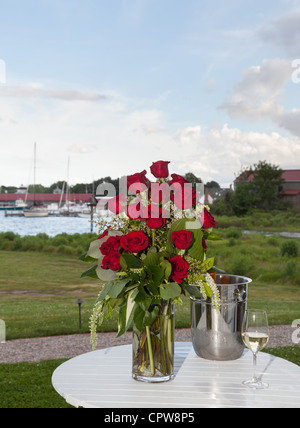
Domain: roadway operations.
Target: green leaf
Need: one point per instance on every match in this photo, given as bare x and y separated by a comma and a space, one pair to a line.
113, 288
122, 321
143, 299
117, 287
208, 264
87, 259
166, 265
130, 307
171, 290
138, 318
213, 237
131, 261
91, 272
104, 291
156, 274
94, 249
152, 259
150, 316
207, 290
196, 251
193, 290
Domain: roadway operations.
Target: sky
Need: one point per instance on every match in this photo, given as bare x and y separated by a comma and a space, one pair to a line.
106, 88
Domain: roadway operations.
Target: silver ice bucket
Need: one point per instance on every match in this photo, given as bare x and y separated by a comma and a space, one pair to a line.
216, 334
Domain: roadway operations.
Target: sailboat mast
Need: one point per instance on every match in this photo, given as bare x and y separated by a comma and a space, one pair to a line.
34, 173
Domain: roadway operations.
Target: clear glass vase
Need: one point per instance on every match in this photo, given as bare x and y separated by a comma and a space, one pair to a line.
153, 347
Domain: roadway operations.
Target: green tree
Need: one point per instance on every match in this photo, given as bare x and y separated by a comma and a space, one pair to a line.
192, 178
257, 187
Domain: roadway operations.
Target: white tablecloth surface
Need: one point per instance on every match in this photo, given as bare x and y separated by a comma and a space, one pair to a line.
102, 379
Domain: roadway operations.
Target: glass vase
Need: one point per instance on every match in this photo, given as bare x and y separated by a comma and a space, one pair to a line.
153, 347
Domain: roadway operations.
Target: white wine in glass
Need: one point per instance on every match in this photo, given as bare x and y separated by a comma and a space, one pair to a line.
255, 335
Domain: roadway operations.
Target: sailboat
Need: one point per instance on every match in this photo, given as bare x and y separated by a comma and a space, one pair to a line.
35, 210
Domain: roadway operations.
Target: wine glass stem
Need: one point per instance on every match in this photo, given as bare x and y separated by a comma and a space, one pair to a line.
254, 367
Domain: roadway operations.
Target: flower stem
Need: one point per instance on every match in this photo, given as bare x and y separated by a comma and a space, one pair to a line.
152, 366
153, 237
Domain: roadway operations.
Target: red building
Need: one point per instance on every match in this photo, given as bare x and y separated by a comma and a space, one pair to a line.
45, 198
289, 190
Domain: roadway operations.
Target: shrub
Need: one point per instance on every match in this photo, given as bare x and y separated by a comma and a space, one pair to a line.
289, 248
241, 265
233, 232
291, 269
272, 240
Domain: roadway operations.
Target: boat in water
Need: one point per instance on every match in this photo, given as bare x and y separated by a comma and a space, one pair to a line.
17, 206
36, 211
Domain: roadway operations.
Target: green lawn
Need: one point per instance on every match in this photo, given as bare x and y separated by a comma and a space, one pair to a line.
38, 289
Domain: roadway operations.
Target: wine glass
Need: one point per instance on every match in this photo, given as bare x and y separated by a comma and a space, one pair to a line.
255, 335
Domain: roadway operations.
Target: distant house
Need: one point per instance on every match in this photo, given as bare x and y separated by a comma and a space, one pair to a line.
289, 190
22, 190
57, 191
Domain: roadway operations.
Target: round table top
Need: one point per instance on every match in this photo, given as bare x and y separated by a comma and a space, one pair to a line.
102, 379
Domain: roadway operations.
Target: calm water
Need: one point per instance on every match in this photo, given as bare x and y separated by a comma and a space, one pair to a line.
50, 225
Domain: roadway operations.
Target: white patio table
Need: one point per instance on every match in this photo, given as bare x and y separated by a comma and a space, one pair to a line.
102, 379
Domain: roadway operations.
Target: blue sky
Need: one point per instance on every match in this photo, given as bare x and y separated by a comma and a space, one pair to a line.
116, 85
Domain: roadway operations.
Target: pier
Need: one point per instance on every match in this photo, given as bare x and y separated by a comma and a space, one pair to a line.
12, 213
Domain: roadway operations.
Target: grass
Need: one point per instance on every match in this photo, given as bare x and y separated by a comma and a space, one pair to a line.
28, 385
38, 289
276, 220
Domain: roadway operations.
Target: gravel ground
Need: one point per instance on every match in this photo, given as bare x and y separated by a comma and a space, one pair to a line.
47, 348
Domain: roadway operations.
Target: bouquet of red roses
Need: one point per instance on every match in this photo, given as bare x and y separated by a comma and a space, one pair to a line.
152, 249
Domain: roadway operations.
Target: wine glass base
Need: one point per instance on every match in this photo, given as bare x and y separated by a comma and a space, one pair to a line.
255, 384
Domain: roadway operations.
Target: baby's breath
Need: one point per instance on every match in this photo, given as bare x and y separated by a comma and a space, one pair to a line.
95, 319
214, 289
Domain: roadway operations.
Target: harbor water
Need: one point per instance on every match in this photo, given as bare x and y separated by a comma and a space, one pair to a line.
51, 225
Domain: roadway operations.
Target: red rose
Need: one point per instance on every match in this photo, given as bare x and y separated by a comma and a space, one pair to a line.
179, 269
137, 183
204, 245
134, 242
105, 233
207, 219
117, 204
154, 216
112, 261
182, 239
112, 244
160, 169
176, 178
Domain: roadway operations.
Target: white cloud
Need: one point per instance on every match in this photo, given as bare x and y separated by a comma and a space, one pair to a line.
117, 137
34, 91
284, 33
257, 96
220, 153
